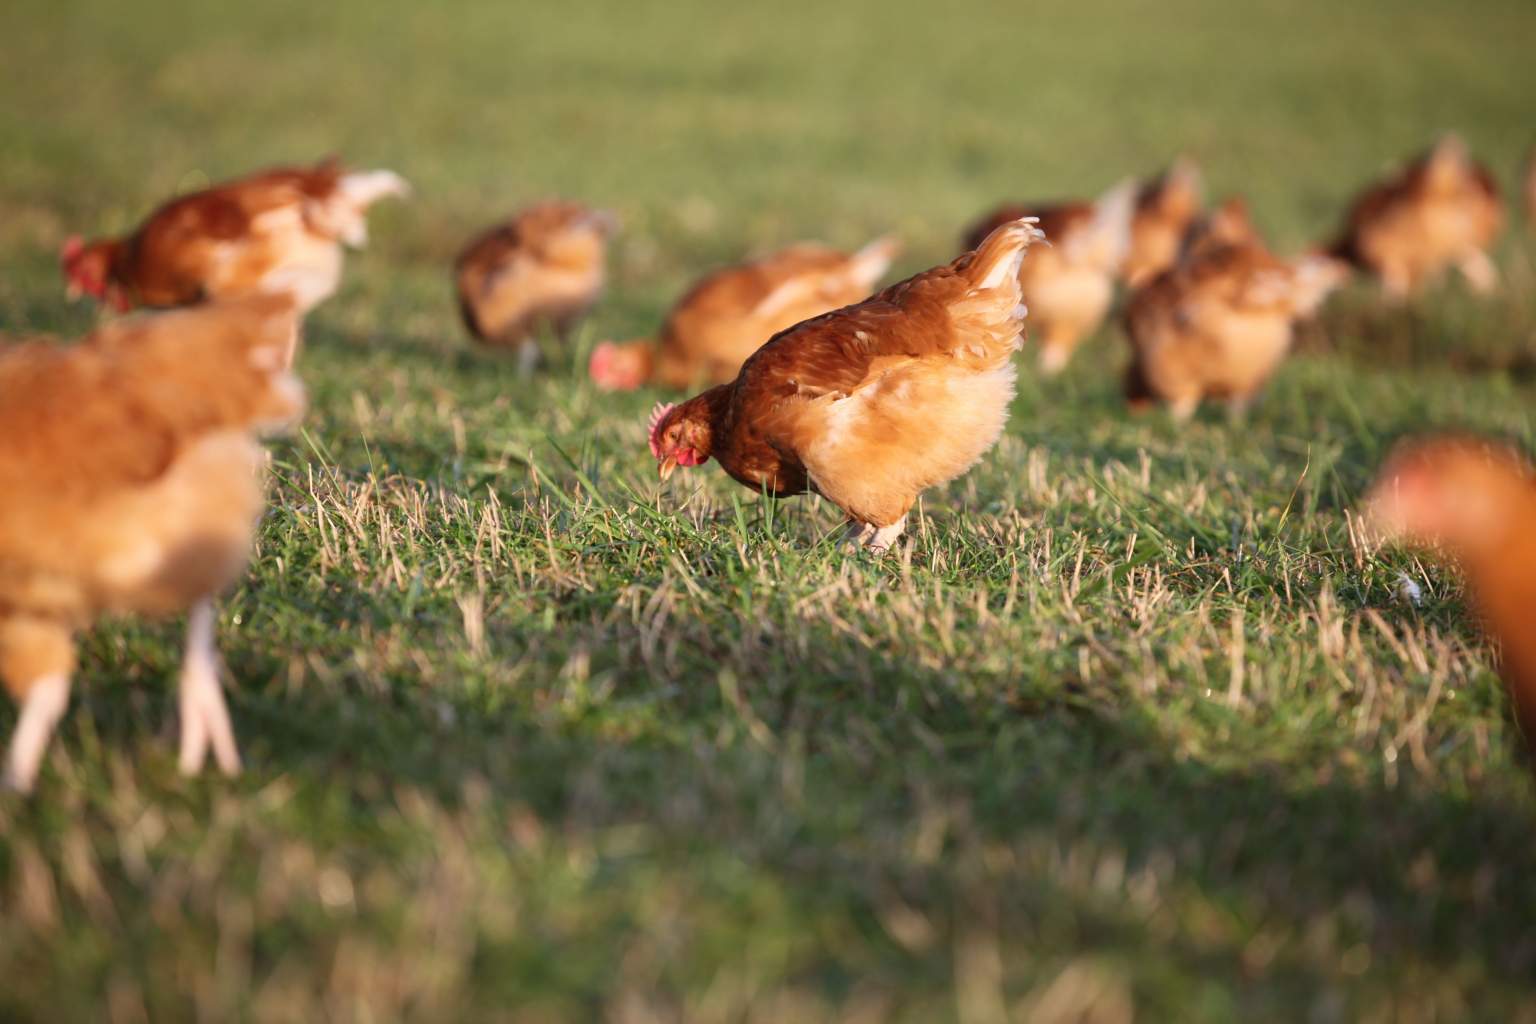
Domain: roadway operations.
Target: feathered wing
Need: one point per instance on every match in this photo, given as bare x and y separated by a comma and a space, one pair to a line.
903, 391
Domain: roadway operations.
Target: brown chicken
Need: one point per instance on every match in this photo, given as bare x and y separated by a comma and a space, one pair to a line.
1476, 501
546, 266
1442, 211
873, 403
277, 232
1165, 208
728, 315
1218, 323
1069, 284
130, 481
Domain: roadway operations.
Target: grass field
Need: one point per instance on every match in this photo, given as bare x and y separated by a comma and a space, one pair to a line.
1133, 725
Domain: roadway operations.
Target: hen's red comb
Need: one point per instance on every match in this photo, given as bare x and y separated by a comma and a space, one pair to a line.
657, 415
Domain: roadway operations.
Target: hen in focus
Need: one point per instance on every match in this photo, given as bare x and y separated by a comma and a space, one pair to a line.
871, 404
1475, 501
1069, 284
727, 315
1442, 211
279, 232
1218, 323
130, 481
546, 266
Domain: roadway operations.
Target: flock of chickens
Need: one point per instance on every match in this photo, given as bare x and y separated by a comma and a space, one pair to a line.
816, 382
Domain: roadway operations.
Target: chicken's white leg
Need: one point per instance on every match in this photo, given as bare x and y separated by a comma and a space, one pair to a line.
882, 538
1054, 358
41, 710
1183, 407
1480, 271
204, 718
856, 533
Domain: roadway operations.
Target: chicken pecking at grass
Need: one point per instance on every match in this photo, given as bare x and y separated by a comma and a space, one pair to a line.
1068, 285
279, 232
1219, 322
544, 267
1475, 501
131, 482
729, 313
871, 404
1442, 211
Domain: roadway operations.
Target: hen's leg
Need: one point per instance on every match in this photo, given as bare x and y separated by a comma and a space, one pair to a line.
1183, 407
856, 534
528, 357
881, 539
37, 657
41, 708
1480, 271
204, 718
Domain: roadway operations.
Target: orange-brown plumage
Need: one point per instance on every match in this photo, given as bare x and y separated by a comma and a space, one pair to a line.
873, 403
1068, 285
729, 313
1442, 211
1165, 208
130, 480
1475, 501
545, 266
275, 232
1218, 323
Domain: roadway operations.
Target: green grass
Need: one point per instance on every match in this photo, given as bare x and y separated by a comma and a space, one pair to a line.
1133, 724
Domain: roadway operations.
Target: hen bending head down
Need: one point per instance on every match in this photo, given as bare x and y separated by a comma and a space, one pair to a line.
871, 404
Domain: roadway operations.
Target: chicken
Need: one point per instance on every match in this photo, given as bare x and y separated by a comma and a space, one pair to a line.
1442, 211
728, 314
544, 266
1165, 208
130, 481
277, 232
873, 403
1218, 323
1476, 501
1069, 285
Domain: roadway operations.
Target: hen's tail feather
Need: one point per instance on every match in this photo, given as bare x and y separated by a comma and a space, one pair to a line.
364, 188
997, 259
870, 263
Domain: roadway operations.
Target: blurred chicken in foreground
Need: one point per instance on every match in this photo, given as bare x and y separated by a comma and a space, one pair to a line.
1476, 501
546, 266
1069, 284
1165, 208
130, 481
1442, 211
1218, 323
729, 313
279, 232
871, 404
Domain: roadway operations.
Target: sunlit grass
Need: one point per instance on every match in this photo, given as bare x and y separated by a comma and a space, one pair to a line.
1134, 721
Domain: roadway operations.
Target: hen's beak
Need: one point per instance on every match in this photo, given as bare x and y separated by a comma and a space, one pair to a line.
666, 467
